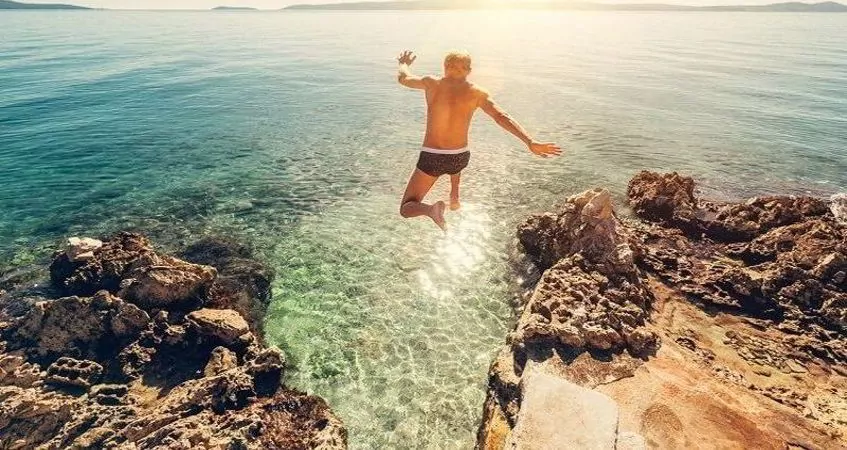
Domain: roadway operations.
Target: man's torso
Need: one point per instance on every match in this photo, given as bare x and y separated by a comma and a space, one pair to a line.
450, 108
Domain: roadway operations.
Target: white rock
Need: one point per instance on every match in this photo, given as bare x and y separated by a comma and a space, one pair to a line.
631, 441
558, 414
81, 249
838, 205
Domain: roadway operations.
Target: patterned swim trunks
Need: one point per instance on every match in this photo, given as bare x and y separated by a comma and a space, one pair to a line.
435, 162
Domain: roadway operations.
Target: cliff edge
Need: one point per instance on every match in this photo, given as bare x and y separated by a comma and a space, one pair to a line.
701, 325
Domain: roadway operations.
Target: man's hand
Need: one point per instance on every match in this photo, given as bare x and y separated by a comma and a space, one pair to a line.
544, 150
407, 58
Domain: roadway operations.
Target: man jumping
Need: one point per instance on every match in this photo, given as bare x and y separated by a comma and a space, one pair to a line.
451, 102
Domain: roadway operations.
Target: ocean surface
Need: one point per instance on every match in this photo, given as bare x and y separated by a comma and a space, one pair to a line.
289, 131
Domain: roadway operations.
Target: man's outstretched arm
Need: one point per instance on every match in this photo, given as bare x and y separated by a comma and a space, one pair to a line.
404, 75
543, 149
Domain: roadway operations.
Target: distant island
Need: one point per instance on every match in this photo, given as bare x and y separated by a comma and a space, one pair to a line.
563, 5
5, 4
234, 8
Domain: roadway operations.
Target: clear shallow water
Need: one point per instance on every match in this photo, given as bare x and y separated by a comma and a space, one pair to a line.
289, 131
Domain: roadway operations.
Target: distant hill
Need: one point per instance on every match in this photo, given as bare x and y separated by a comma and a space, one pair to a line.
234, 8
5, 4
566, 5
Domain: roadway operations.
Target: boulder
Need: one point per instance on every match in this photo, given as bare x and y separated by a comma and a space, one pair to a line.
154, 281
664, 198
81, 249
225, 326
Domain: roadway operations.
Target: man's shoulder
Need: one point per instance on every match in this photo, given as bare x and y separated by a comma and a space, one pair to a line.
478, 90
430, 79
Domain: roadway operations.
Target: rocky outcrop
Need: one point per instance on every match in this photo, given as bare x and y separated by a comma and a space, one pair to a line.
744, 302
591, 294
132, 360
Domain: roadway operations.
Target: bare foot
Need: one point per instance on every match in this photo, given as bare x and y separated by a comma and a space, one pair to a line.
454, 204
437, 215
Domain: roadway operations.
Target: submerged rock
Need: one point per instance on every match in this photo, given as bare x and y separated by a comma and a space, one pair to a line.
158, 372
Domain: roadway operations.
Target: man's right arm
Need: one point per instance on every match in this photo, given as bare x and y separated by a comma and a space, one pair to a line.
404, 74
502, 118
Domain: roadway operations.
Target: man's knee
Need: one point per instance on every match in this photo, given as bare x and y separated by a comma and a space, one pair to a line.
406, 207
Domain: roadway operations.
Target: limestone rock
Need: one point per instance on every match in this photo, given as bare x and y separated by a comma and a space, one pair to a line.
267, 368
556, 413
664, 198
80, 326
105, 270
221, 360
182, 379
630, 441
81, 249
221, 325
67, 371
154, 281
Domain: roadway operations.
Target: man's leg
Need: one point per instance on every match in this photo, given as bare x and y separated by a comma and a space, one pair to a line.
412, 205
454, 191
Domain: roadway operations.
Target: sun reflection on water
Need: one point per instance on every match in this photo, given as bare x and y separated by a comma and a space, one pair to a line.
458, 253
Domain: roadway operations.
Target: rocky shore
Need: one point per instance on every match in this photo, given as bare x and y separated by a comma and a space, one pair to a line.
697, 324
128, 348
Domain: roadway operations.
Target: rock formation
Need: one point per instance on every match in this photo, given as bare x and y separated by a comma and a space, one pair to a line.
708, 323
150, 351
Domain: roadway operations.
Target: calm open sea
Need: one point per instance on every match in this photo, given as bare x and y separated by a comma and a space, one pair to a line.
288, 130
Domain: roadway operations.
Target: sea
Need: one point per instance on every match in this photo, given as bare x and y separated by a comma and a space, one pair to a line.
288, 131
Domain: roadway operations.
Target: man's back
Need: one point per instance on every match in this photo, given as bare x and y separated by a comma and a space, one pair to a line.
450, 108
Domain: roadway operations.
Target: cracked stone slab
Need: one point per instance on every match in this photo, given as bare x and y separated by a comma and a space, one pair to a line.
556, 413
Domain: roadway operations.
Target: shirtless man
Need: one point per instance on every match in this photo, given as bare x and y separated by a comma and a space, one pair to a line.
451, 102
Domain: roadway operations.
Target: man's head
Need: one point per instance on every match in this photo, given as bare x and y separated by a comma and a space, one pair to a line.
457, 65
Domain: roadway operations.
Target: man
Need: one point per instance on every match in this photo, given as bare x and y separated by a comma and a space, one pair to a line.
451, 102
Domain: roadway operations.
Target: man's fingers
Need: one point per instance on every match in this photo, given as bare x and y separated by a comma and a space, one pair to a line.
414, 57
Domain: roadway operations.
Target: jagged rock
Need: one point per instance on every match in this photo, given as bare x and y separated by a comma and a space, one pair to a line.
109, 394
16, 371
221, 325
585, 225
221, 360
664, 198
154, 281
167, 382
105, 270
84, 327
775, 263
590, 290
669, 200
267, 368
73, 372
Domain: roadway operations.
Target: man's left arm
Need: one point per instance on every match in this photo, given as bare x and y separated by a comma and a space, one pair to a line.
502, 118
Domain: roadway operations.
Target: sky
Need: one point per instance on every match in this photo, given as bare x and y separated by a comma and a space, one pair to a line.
277, 4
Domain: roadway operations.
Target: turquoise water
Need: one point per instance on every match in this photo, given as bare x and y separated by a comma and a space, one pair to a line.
288, 130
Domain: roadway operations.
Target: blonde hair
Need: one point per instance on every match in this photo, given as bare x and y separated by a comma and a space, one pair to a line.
458, 58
